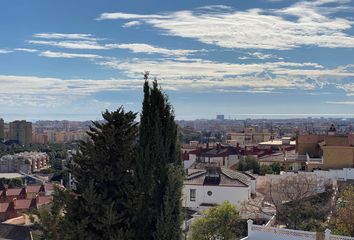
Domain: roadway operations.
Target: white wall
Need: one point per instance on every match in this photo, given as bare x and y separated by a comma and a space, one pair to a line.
235, 195
192, 158
340, 174
233, 159
258, 232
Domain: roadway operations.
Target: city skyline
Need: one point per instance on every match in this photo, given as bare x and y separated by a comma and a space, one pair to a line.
265, 58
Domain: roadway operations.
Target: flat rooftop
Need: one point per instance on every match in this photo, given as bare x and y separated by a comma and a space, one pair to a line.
11, 175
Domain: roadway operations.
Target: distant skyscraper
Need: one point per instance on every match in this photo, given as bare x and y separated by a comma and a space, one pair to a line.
220, 117
21, 131
2, 136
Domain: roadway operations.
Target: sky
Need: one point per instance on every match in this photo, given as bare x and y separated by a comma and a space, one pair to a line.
245, 59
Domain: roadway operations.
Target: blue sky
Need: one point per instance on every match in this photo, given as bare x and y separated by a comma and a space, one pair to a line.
73, 59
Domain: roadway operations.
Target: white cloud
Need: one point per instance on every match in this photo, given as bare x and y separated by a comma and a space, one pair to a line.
105, 16
342, 102
132, 24
33, 85
52, 54
30, 50
253, 28
5, 51
200, 74
259, 55
94, 45
347, 87
70, 44
76, 36
55, 91
146, 48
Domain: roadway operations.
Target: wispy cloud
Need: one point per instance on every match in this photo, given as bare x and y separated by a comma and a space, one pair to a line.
97, 45
52, 54
146, 48
132, 24
5, 51
253, 28
119, 15
55, 91
30, 50
342, 102
200, 74
93, 45
77, 36
259, 55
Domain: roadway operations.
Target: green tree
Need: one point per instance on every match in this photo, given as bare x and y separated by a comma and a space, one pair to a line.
265, 169
220, 222
159, 169
103, 207
343, 220
249, 163
51, 220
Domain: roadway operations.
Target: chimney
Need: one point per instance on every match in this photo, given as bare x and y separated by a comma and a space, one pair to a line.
24, 192
4, 192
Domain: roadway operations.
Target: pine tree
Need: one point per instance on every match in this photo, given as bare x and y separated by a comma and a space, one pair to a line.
104, 204
159, 169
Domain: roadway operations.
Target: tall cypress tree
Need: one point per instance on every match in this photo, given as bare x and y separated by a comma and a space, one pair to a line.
159, 169
104, 204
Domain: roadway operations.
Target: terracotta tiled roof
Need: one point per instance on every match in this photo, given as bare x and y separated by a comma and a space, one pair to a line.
33, 188
23, 204
4, 207
44, 200
13, 191
49, 187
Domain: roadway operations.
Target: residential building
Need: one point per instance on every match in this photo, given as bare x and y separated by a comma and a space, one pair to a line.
21, 131
219, 155
331, 151
2, 129
51, 136
15, 232
26, 162
248, 137
16, 201
214, 185
220, 117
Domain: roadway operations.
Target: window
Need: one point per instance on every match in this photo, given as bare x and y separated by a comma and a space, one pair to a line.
210, 193
192, 195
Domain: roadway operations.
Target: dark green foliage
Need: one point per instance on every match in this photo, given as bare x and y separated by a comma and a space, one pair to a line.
129, 184
51, 226
249, 163
273, 168
10, 183
103, 208
159, 169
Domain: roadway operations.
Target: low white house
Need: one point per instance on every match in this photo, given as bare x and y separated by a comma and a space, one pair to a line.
214, 185
222, 156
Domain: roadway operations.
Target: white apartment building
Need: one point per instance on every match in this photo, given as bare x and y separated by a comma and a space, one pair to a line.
26, 162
